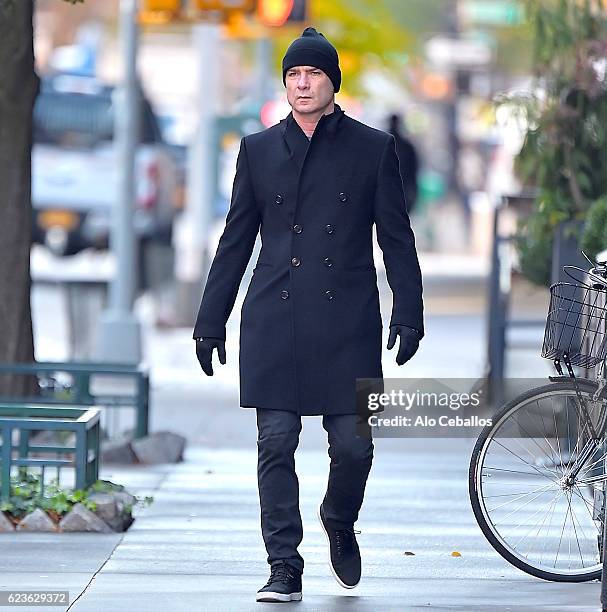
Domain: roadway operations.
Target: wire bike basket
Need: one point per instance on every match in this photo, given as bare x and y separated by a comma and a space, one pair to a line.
575, 325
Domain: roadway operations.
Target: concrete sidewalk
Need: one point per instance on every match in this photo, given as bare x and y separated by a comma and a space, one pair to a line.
199, 547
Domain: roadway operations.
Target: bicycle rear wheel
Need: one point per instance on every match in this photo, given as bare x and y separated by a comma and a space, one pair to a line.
519, 489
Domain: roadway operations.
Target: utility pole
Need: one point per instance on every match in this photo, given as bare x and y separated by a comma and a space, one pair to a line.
192, 235
453, 29
263, 49
119, 337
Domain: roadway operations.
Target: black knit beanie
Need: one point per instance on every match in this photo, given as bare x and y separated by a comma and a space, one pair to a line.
313, 49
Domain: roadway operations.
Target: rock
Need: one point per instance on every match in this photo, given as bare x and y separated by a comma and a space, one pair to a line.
122, 522
111, 509
117, 451
123, 499
5, 523
107, 508
80, 518
38, 520
125, 502
159, 447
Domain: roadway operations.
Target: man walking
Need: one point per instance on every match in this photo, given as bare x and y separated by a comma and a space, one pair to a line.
313, 185
407, 156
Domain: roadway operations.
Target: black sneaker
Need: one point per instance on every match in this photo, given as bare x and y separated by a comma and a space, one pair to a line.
284, 584
344, 555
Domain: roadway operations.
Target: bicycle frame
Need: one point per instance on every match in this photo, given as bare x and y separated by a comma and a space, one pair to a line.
597, 434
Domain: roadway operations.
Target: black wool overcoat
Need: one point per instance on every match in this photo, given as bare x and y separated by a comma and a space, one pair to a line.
310, 321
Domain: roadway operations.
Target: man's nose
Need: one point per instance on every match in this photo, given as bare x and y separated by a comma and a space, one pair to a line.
303, 81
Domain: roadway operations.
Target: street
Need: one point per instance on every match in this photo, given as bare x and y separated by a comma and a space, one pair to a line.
199, 545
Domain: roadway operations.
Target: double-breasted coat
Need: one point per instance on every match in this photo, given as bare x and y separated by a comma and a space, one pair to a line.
310, 320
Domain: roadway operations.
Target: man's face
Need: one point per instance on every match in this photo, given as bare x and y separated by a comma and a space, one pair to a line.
309, 89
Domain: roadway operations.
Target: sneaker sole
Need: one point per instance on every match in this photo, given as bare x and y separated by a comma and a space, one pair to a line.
272, 597
339, 581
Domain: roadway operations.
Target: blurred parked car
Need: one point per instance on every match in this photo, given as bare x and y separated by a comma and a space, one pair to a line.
75, 171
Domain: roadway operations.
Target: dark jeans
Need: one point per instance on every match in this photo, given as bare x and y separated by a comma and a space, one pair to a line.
351, 457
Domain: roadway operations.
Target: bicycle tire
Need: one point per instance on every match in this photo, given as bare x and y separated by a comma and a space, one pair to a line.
586, 386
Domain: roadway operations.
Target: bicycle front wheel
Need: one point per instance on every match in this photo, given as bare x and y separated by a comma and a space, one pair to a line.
527, 505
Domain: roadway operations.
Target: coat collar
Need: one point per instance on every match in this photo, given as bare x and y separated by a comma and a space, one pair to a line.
329, 123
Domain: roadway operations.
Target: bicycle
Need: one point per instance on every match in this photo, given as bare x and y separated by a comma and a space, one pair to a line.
537, 474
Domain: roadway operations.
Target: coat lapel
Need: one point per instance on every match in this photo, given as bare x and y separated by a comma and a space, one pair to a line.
298, 147
295, 139
294, 136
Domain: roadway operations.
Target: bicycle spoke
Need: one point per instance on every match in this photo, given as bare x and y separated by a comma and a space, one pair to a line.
576, 536
589, 467
580, 526
496, 469
544, 521
542, 490
561, 539
556, 497
587, 505
534, 441
533, 527
520, 508
517, 493
521, 459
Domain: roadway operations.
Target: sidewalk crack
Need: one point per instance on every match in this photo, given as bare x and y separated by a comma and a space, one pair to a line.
88, 584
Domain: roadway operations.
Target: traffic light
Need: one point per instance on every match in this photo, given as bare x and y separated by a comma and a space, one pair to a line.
160, 11
276, 13
299, 12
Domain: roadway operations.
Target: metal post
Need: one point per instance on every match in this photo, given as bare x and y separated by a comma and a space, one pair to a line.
453, 28
192, 229
7, 447
119, 332
143, 405
496, 319
263, 50
81, 455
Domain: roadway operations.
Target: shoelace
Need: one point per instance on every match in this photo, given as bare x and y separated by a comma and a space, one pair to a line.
344, 540
281, 572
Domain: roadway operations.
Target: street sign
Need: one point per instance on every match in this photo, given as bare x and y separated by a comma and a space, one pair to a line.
492, 12
160, 11
170, 6
167, 11
456, 52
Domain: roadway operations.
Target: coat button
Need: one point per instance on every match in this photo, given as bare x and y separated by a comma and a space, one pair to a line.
343, 197
297, 228
329, 294
295, 261
278, 199
284, 294
328, 262
329, 229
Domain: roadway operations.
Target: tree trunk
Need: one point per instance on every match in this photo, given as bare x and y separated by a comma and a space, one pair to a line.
18, 90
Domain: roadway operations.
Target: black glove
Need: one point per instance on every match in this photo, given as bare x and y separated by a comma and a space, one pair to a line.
204, 352
409, 342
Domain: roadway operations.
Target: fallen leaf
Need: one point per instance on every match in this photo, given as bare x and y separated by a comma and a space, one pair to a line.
456, 554
408, 553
